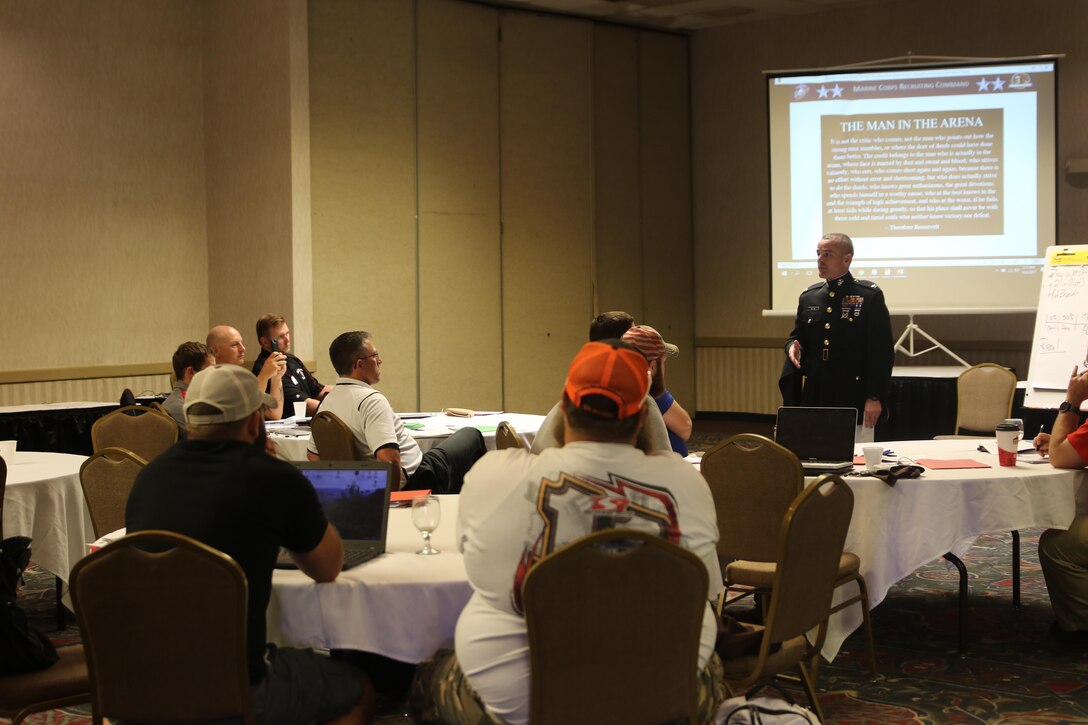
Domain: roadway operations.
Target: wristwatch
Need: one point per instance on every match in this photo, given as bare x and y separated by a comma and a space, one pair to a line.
1067, 407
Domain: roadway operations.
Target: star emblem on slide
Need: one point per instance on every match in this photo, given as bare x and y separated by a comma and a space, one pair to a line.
998, 84
821, 92
983, 85
836, 92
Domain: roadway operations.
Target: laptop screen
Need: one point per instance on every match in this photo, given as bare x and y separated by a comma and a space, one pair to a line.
817, 434
353, 494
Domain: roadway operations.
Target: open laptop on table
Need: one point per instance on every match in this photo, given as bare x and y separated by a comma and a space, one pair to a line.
823, 438
355, 498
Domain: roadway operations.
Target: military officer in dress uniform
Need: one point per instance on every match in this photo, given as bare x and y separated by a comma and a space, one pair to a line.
842, 338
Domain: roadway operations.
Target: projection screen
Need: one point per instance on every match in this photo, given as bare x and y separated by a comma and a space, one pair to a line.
943, 175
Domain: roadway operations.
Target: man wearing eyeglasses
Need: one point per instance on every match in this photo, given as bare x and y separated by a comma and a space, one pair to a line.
379, 432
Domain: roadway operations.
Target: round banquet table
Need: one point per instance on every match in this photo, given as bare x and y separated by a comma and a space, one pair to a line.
401, 605
291, 442
43, 500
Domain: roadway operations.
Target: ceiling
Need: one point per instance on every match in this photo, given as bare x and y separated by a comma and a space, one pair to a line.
684, 14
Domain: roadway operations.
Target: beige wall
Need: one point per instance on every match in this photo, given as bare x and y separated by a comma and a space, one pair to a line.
103, 257
155, 178
257, 156
730, 158
474, 201
477, 200
391, 165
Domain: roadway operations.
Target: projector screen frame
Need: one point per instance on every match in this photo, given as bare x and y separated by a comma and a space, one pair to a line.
1046, 172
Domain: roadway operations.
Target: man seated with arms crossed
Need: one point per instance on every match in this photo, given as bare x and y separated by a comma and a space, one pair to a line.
220, 488
189, 359
226, 344
517, 508
1063, 555
299, 384
379, 432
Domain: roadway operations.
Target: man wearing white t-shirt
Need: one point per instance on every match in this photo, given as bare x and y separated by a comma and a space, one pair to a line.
379, 432
517, 507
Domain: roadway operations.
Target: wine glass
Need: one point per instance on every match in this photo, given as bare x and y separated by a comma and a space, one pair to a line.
426, 513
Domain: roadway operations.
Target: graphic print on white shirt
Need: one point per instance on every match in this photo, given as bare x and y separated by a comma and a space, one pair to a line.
565, 506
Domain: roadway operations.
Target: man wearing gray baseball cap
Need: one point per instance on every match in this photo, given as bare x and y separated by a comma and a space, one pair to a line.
221, 488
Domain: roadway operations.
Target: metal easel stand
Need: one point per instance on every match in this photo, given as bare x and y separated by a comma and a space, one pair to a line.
908, 335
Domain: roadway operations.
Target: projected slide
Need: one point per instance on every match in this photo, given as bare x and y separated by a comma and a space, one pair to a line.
943, 177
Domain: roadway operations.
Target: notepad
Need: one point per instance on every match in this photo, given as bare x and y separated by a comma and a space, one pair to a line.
948, 464
401, 496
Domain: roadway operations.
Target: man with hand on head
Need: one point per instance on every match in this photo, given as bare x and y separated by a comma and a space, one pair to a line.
299, 384
517, 508
653, 347
842, 339
1063, 555
379, 432
226, 344
220, 488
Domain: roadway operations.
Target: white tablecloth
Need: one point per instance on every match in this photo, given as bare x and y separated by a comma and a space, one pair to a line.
896, 530
53, 406
400, 605
436, 428
44, 501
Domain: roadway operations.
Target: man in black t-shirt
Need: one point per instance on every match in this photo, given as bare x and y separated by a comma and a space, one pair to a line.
221, 488
299, 384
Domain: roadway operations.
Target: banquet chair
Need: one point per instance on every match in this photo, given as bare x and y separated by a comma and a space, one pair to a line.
507, 437
753, 481
811, 537
107, 478
137, 428
333, 439
65, 682
624, 581
335, 442
159, 649
984, 397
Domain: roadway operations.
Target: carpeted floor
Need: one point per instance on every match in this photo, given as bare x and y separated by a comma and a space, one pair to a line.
1013, 671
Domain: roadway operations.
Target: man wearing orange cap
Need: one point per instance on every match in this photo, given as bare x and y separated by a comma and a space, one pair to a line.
517, 507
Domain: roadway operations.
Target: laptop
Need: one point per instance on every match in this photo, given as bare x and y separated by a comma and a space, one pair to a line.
823, 438
355, 498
